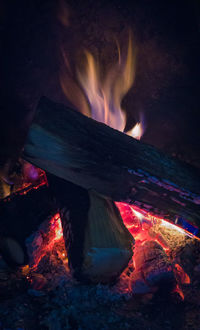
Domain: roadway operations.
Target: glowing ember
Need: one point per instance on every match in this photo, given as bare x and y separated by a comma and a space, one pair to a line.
130, 218
138, 226
183, 278
53, 237
131, 212
140, 223
33, 178
56, 227
179, 291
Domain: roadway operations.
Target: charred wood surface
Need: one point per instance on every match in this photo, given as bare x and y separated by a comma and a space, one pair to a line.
95, 156
73, 203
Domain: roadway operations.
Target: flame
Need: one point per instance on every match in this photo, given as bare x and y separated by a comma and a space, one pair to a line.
55, 235
103, 95
137, 131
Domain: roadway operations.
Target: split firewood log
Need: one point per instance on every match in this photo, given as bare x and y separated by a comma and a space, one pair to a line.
98, 244
95, 156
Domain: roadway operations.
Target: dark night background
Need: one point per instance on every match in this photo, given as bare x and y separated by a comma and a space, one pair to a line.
166, 89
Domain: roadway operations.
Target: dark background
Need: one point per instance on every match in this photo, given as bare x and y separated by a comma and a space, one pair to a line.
166, 89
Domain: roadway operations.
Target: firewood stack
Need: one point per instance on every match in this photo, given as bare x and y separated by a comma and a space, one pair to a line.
96, 157
89, 166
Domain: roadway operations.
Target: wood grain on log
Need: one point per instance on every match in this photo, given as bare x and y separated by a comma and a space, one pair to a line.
95, 156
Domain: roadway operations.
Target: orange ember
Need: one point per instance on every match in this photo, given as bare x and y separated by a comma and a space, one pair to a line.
56, 227
54, 236
139, 223
182, 278
179, 291
181, 275
138, 226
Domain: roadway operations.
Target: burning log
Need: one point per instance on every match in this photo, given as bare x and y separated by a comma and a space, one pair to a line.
97, 157
153, 269
21, 214
98, 244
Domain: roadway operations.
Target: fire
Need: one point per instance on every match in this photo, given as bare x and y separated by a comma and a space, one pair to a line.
104, 94
56, 226
183, 278
140, 224
137, 131
53, 236
139, 227
131, 212
179, 291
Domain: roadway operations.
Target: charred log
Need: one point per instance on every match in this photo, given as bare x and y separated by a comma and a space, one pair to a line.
20, 216
98, 244
153, 270
95, 156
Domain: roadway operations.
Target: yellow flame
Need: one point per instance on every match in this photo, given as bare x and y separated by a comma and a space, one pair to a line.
137, 131
104, 96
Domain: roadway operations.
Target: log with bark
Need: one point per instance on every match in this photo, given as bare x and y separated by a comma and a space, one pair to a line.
96, 157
